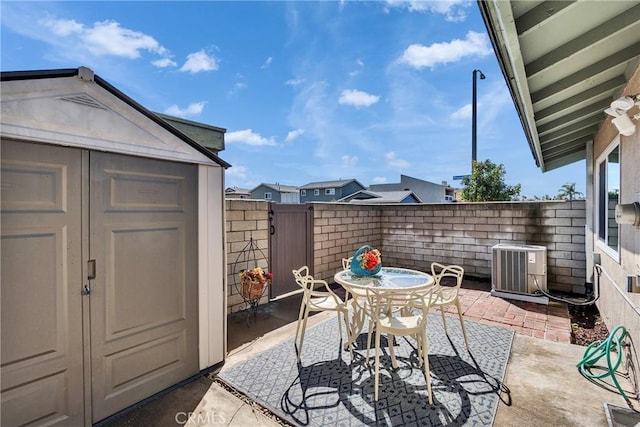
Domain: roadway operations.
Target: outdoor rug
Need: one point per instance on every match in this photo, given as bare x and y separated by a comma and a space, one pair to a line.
327, 388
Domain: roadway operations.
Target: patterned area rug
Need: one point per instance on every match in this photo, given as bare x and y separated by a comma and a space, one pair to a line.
327, 388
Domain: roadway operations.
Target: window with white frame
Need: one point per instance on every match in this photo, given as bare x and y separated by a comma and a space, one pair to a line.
608, 176
316, 192
329, 191
303, 193
267, 195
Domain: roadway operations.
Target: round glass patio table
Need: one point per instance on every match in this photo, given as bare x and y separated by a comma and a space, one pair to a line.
394, 279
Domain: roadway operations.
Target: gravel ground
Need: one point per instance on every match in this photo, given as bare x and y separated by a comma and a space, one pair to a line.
586, 325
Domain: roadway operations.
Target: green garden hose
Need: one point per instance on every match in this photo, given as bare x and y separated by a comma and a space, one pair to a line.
597, 350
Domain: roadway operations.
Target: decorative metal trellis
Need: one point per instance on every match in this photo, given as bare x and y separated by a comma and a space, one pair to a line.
250, 257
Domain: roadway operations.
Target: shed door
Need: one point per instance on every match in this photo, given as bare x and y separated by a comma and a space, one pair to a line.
41, 321
143, 234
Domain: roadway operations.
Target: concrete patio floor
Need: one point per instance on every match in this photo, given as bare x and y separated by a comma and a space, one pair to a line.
545, 387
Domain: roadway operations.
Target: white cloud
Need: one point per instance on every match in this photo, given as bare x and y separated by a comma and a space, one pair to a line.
237, 171
194, 109
379, 180
293, 135
248, 137
63, 27
267, 62
163, 63
357, 98
420, 56
294, 82
453, 10
463, 112
105, 38
358, 71
200, 61
396, 163
349, 161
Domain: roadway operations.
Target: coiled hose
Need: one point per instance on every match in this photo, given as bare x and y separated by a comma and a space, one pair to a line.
597, 350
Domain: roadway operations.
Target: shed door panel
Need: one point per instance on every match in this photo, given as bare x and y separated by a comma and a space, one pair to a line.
143, 236
41, 306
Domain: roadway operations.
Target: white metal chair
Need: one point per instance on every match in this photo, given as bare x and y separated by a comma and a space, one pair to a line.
448, 295
346, 263
317, 300
381, 306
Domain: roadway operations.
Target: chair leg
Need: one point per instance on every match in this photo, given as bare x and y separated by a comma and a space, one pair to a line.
444, 322
304, 329
394, 362
377, 365
464, 331
346, 325
369, 341
425, 358
300, 314
339, 325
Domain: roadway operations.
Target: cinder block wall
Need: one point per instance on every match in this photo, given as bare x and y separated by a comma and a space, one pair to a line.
413, 236
338, 231
246, 219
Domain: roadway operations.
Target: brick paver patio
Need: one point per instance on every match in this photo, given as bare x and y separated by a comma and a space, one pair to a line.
551, 322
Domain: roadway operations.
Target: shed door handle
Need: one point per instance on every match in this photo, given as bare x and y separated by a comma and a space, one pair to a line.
91, 269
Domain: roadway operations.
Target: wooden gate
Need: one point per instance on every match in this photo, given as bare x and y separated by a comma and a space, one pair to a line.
290, 244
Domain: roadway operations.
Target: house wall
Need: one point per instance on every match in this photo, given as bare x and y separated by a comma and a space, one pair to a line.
428, 192
258, 194
616, 305
245, 219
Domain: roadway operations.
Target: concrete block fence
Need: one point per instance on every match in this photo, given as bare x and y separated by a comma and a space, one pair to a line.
245, 219
413, 236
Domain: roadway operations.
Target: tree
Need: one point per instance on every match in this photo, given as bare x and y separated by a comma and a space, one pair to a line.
486, 184
568, 192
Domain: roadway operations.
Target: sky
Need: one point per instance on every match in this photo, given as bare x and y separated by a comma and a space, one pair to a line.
307, 91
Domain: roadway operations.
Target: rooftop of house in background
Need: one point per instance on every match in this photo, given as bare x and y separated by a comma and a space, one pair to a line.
330, 184
277, 187
237, 193
368, 196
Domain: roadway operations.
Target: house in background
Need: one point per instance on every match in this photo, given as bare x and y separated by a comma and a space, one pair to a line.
276, 193
237, 193
368, 196
427, 192
113, 257
329, 191
566, 90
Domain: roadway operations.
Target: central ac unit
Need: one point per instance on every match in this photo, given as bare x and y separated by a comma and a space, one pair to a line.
519, 271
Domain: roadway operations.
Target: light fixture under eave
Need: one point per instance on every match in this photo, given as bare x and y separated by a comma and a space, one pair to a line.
618, 110
624, 125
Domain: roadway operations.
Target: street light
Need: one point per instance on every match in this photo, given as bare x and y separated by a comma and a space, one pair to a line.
473, 118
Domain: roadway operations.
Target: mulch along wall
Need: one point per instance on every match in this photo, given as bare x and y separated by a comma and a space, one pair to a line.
413, 236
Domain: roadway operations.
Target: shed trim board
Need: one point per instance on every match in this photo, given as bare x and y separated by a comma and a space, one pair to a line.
75, 108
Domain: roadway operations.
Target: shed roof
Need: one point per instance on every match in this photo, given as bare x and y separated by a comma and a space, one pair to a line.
87, 75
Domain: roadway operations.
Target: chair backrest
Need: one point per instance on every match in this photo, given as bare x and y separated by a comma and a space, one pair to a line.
302, 276
346, 263
382, 302
440, 271
301, 272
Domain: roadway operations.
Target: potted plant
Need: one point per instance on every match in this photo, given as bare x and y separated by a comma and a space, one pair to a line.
253, 282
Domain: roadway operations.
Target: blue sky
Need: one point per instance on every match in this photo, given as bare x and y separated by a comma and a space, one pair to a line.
308, 91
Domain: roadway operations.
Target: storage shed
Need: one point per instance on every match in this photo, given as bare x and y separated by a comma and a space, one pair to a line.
113, 260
